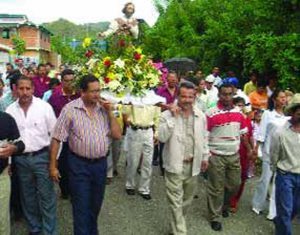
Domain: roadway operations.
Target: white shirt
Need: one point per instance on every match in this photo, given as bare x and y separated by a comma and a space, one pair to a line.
114, 26
212, 95
36, 127
218, 81
270, 122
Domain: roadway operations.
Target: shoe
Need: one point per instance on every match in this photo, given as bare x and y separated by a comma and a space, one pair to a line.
130, 191
115, 173
225, 214
155, 163
138, 170
256, 211
146, 196
215, 225
270, 218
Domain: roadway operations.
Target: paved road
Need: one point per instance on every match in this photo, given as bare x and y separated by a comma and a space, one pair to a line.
132, 215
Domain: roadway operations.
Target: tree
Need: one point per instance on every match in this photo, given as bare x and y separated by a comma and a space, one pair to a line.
239, 35
19, 45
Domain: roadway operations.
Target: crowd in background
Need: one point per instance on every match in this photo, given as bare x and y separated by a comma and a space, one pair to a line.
208, 124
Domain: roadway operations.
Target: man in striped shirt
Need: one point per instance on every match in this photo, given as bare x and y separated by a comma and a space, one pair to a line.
226, 126
88, 124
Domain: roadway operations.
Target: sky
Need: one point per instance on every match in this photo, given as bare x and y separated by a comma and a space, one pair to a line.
77, 11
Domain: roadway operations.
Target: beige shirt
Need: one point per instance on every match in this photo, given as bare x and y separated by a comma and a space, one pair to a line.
170, 132
143, 116
188, 137
285, 149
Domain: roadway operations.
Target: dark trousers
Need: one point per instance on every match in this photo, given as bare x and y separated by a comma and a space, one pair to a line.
157, 154
287, 199
15, 200
87, 187
63, 170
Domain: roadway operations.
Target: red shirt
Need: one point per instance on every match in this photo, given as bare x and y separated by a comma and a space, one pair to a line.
59, 99
41, 85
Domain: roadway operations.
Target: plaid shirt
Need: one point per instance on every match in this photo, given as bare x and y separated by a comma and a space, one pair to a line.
88, 136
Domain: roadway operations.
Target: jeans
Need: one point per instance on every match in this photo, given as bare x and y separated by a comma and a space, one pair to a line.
87, 187
38, 198
287, 201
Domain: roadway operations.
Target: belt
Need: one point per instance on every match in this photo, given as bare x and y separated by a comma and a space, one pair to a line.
90, 160
188, 160
32, 154
135, 128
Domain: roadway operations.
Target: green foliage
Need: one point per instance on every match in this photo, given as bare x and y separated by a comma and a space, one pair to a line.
239, 35
69, 30
19, 45
65, 32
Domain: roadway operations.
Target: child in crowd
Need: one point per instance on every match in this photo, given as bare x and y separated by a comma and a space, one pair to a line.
255, 127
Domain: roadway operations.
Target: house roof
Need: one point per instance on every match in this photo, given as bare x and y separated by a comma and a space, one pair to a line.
16, 21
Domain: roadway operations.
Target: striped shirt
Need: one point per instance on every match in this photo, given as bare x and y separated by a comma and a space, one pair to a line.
88, 136
225, 128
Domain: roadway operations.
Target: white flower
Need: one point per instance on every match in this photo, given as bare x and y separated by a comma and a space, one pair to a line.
91, 63
119, 63
113, 85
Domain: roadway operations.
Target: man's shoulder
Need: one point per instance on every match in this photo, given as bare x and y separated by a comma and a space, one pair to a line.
73, 104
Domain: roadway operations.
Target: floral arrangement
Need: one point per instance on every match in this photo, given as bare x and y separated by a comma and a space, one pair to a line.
123, 69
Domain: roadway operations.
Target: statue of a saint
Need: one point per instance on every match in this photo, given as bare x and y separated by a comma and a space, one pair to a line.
127, 24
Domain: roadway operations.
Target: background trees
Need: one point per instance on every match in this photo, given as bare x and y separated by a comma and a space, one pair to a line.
239, 35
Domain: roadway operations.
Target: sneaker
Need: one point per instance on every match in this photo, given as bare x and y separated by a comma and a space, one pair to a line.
130, 192
256, 211
270, 218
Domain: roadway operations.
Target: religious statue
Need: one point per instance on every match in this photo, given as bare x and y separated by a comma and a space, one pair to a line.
127, 24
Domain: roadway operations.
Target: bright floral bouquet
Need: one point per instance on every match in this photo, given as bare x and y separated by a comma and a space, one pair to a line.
124, 69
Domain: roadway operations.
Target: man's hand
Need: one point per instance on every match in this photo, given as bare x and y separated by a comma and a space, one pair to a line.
7, 150
54, 174
204, 166
108, 106
175, 110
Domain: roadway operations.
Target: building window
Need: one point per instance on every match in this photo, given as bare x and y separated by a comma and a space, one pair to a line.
5, 33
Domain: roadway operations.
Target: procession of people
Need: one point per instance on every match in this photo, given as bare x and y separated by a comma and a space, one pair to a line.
53, 132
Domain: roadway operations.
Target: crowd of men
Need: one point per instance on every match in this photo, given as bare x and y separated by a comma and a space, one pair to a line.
50, 131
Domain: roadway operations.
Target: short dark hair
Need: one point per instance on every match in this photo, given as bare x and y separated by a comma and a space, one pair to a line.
67, 72
172, 72
187, 85
53, 82
48, 63
261, 82
9, 64
41, 65
24, 78
86, 79
13, 77
225, 85
238, 99
126, 5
